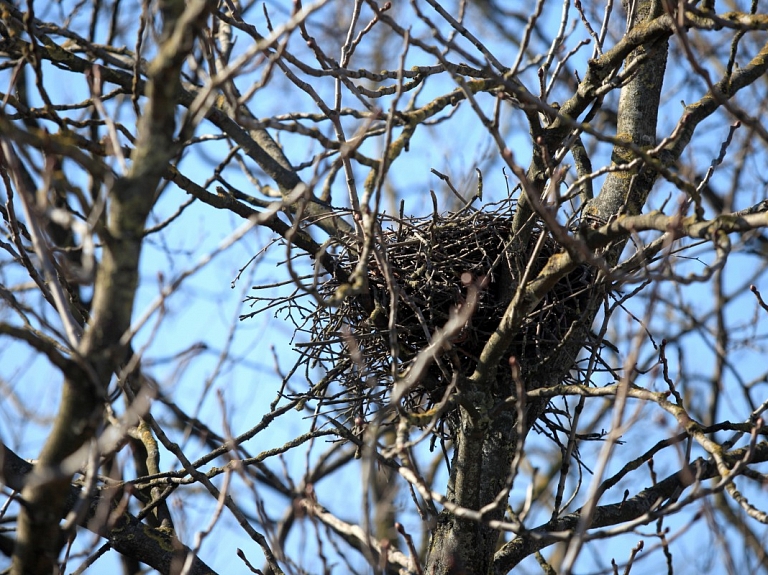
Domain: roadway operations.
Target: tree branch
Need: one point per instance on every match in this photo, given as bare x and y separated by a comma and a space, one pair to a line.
648, 503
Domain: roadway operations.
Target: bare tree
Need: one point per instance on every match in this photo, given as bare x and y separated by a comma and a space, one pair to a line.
504, 266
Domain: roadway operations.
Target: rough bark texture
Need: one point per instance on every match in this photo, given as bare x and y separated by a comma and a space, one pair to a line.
479, 469
395, 362
485, 443
101, 348
156, 547
625, 192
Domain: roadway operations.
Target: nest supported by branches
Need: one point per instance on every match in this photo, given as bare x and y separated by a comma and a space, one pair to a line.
431, 263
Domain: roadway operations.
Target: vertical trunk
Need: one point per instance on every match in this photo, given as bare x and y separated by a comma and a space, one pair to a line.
626, 191
480, 467
101, 349
486, 444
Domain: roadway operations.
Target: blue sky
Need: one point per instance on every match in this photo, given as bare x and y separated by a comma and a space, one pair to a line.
204, 310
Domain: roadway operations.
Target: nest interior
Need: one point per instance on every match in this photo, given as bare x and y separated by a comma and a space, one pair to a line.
428, 260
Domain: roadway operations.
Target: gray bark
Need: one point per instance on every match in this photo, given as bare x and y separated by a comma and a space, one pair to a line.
486, 443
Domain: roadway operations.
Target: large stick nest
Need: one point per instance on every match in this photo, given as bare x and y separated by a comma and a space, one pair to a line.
431, 263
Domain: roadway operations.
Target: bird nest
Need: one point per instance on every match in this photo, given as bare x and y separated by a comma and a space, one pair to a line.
419, 275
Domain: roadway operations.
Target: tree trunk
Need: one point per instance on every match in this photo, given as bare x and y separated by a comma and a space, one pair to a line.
485, 440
